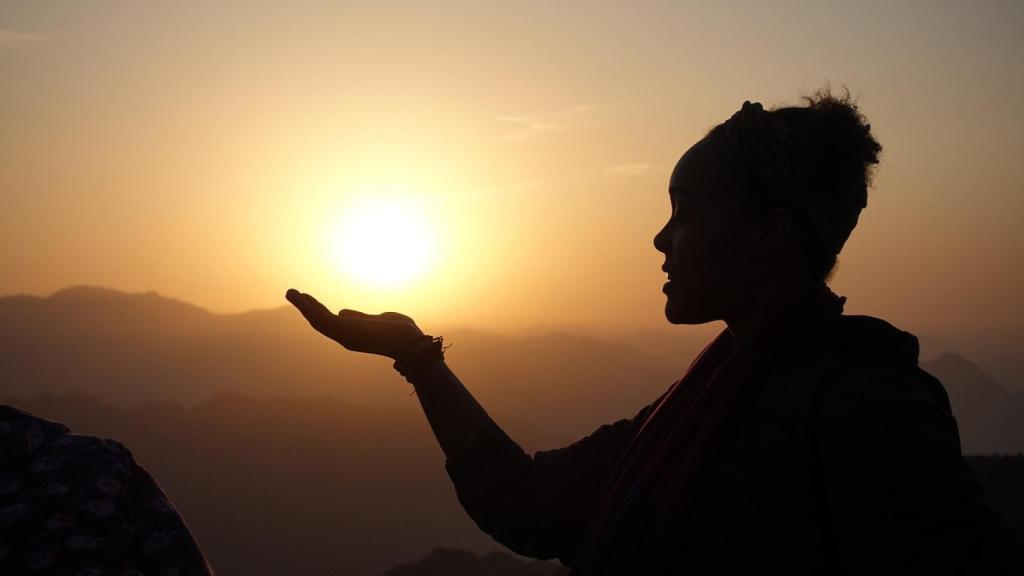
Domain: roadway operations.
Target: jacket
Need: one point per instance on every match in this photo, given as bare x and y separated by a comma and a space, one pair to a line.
847, 461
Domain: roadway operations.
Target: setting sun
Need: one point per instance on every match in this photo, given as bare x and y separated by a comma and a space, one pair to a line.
376, 288
383, 242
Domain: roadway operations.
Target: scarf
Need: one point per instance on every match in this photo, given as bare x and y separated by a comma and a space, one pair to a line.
640, 522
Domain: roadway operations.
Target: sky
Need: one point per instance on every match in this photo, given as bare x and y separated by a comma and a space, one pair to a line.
217, 152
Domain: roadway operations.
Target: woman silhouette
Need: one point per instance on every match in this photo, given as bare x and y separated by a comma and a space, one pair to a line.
800, 441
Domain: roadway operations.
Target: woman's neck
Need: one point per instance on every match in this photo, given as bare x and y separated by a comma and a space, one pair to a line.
761, 308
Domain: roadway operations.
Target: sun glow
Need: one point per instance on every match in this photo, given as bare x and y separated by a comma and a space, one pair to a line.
384, 242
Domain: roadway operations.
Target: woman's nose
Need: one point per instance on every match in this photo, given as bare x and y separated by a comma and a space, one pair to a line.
659, 240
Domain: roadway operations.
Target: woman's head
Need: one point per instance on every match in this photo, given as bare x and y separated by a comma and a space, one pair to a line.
765, 201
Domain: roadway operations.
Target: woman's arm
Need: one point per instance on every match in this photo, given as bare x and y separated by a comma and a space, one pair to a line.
541, 506
459, 422
538, 506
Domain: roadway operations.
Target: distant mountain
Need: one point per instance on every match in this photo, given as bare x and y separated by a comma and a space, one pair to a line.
287, 454
990, 418
449, 562
315, 486
1000, 349
307, 486
128, 349
555, 386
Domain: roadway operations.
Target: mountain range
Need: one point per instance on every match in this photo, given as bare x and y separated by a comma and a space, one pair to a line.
288, 454
130, 349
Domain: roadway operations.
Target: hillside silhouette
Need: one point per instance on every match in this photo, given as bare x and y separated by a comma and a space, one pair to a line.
990, 418
287, 455
128, 349
316, 486
289, 485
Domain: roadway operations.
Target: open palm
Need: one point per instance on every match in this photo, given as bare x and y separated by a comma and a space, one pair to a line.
387, 334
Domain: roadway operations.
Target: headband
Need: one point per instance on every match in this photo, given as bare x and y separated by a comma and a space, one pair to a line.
767, 149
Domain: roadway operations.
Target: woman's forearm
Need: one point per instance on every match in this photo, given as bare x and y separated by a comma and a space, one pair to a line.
459, 422
536, 505
495, 480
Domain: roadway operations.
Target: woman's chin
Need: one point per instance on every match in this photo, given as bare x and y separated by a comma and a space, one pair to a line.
674, 314
678, 314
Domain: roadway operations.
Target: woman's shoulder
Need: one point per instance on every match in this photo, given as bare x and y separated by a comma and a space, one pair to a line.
854, 341
856, 367
876, 389
900, 412
848, 350
875, 365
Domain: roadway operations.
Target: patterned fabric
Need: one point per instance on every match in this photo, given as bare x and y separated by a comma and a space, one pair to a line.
81, 506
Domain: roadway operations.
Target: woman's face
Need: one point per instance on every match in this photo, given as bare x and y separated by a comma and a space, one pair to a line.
706, 243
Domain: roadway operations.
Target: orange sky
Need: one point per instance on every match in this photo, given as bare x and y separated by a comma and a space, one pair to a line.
210, 150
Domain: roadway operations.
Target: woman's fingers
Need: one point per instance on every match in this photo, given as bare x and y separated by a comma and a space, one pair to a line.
384, 334
305, 302
318, 308
395, 316
315, 313
347, 327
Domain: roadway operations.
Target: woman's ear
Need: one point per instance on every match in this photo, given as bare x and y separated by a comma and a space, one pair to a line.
772, 230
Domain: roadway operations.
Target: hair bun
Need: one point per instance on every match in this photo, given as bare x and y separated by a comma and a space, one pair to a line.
839, 138
817, 157
835, 158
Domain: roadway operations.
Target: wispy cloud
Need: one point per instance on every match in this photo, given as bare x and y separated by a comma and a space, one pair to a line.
527, 126
632, 169
13, 38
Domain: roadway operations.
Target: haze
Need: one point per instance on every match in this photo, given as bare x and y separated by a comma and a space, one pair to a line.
208, 150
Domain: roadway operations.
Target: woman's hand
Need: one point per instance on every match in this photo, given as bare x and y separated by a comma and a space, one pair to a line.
387, 334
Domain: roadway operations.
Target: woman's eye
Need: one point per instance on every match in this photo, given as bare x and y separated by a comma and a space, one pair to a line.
677, 212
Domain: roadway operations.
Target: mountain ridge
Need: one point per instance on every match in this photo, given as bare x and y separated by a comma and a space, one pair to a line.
130, 349
308, 485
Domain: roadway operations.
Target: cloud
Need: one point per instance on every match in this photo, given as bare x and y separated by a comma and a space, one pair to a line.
529, 126
13, 38
632, 169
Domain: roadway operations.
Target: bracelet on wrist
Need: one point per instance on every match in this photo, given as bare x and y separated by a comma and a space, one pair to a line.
421, 352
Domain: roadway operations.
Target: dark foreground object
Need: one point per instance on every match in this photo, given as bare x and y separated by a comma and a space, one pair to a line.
74, 504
